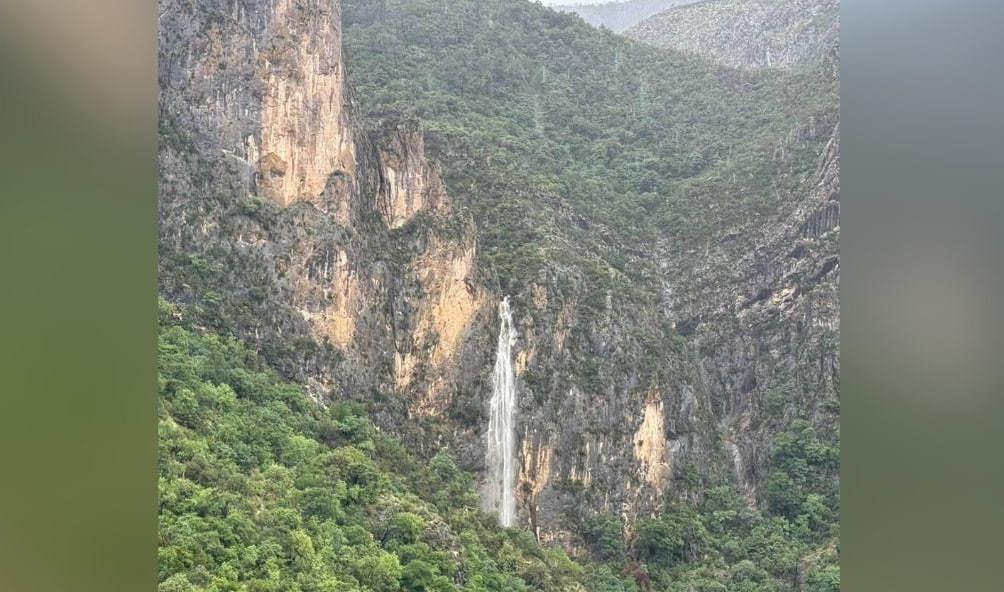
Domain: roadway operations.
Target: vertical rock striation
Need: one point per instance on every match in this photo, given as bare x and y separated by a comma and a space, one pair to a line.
409, 183
282, 214
305, 133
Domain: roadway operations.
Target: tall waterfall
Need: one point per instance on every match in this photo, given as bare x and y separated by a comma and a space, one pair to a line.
500, 459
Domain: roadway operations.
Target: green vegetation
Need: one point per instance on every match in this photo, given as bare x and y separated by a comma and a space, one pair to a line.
721, 543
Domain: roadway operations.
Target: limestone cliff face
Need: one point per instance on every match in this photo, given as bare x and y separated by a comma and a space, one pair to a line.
262, 83
426, 359
650, 448
341, 300
305, 133
284, 216
409, 183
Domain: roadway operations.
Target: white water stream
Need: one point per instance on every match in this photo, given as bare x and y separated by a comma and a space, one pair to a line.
501, 453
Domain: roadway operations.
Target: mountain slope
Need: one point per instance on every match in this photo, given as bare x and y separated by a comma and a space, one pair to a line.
642, 221
786, 34
618, 16
666, 230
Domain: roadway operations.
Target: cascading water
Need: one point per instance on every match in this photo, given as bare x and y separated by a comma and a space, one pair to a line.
500, 458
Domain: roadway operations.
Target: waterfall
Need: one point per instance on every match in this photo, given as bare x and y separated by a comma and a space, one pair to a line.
500, 456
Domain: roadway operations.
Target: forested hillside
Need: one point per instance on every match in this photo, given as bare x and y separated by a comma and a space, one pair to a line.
351, 190
263, 489
785, 34
599, 128
618, 15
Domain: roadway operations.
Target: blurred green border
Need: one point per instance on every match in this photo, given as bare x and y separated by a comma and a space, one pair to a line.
78, 262
922, 488
922, 293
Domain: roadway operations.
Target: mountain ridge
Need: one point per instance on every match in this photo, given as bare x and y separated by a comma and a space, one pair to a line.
751, 34
622, 15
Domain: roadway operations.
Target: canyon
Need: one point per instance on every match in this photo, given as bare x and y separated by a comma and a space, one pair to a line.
372, 259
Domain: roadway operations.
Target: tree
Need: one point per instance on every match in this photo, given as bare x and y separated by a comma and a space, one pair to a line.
784, 497
381, 572
823, 579
605, 536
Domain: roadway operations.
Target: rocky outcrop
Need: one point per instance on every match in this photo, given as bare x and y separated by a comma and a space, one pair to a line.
305, 133
651, 446
450, 301
263, 84
341, 292
409, 183
785, 34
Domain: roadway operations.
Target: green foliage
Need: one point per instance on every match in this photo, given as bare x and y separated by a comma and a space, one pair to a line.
725, 544
783, 495
605, 536
824, 579
802, 485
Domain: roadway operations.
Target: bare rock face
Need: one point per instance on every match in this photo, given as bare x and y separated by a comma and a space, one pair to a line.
264, 84
340, 301
426, 361
305, 132
289, 214
409, 183
651, 448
